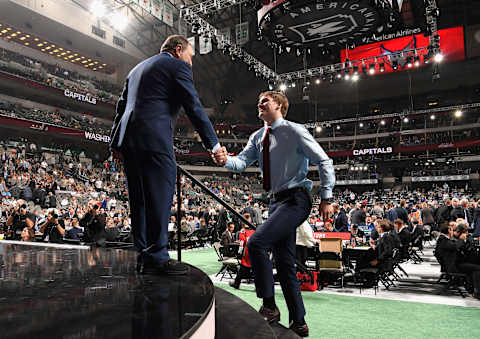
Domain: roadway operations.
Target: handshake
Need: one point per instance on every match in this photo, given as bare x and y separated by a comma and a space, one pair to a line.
220, 157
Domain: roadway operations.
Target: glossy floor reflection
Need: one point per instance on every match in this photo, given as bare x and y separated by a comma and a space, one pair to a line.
76, 293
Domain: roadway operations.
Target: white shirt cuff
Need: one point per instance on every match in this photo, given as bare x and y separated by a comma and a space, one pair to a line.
215, 148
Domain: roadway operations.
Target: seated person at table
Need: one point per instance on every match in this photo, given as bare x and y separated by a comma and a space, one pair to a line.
404, 236
452, 254
304, 241
328, 227
227, 235
74, 232
381, 251
375, 234
357, 234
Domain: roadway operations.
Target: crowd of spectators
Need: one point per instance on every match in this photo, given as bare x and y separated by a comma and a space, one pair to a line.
58, 77
84, 122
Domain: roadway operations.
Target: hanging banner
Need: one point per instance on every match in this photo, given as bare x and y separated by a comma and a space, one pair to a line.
224, 34
145, 4
157, 9
241, 33
451, 45
168, 13
182, 28
191, 41
205, 44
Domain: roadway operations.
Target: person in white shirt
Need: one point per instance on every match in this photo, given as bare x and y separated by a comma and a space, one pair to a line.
304, 241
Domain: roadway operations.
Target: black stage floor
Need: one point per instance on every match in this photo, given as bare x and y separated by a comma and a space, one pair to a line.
48, 292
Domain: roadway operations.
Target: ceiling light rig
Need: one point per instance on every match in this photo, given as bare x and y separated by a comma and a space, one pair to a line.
192, 15
200, 26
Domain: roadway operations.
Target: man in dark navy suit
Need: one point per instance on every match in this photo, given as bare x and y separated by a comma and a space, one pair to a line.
143, 133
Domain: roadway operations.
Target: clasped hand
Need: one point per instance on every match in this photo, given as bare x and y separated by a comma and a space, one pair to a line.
220, 157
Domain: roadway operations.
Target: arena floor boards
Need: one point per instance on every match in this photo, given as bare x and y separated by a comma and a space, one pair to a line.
333, 315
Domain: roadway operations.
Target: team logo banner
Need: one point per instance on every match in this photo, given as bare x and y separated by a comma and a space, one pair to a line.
318, 24
451, 44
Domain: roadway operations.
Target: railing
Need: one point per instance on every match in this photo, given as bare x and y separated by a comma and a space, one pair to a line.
205, 189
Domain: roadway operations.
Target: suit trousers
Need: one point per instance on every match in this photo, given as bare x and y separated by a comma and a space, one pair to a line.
278, 233
151, 180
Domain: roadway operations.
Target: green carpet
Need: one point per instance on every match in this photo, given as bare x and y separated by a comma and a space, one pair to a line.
332, 316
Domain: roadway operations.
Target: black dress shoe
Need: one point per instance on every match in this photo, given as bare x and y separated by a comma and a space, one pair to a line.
300, 330
269, 315
234, 285
171, 267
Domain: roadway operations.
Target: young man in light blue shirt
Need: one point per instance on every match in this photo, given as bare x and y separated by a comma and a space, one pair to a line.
289, 148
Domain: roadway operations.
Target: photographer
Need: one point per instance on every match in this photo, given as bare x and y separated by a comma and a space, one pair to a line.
94, 226
19, 219
53, 230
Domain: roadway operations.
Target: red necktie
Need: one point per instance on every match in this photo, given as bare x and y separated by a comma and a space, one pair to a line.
266, 161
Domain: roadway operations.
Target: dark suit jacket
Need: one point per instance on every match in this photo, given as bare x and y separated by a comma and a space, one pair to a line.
358, 217
341, 221
227, 238
391, 215
151, 99
476, 221
442, 214
402, 214
447, 251
405, 239
459, 212
427, 216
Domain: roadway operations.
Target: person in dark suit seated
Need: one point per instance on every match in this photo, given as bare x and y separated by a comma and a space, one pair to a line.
404, 236
142, 132
416, 234
227, 235
340, 220
328, 227
451, 253
74, 232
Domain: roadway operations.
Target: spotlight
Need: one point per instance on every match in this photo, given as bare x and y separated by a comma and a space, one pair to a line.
432, 117
405, 120
371, 69
458, 113
293, 85
338, 127
283, 87
365, 168
339, 74
381, 67
409, 62
438, 57
416, 61
361, 125
98, 9
347, 76
318, 129
382, 122
317, 81
119, 21
395, 65
355, 78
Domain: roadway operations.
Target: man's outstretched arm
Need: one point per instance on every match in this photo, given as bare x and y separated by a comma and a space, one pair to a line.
247, 157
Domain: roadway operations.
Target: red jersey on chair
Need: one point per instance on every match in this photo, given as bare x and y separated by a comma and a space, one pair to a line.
243, 238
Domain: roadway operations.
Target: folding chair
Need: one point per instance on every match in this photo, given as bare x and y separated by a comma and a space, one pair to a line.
229, 265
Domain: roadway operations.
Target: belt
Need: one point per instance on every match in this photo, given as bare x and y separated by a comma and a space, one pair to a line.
286, 193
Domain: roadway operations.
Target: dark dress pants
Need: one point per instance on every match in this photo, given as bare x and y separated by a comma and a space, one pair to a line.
151, 183
278, 233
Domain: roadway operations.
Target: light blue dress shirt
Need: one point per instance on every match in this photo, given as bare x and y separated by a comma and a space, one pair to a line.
292, 148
